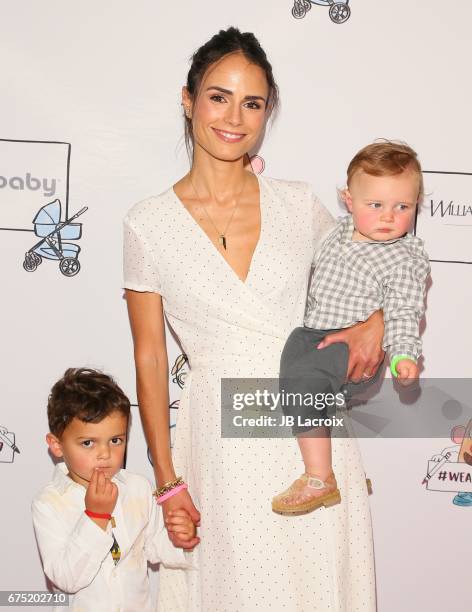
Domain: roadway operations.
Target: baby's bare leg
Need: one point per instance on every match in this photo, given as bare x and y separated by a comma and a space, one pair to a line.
315, 447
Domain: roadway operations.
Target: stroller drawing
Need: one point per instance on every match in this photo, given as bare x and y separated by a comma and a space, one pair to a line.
52, 231
339, 12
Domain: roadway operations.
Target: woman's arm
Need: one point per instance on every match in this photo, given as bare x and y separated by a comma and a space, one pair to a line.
152, 375
152, 372
365, 346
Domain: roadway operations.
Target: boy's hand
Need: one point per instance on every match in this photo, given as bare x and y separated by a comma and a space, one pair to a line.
407, 371
101, 494
182, 501
179, 522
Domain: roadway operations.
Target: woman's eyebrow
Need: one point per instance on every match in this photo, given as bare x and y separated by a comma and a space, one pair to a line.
230, 93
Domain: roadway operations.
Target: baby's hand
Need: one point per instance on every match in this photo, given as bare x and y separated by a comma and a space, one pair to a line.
179, 521
407, 371
101, 494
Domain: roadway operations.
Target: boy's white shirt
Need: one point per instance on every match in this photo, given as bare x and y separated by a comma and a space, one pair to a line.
76, 552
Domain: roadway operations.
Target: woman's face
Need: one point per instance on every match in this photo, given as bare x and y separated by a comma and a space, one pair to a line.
229, 112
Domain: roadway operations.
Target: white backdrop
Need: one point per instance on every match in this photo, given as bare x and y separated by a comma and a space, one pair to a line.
105, 77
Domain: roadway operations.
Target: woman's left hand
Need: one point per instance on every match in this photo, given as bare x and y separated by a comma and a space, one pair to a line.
365, 346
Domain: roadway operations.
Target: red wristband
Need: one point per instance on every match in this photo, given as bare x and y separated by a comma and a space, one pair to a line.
97, 515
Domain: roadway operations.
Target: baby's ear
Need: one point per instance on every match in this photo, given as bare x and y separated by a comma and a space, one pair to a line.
345, 196
54, 444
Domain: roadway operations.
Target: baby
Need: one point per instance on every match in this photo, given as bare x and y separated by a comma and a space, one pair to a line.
368, 262
97, 525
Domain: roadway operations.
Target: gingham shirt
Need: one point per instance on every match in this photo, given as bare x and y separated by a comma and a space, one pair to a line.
352, 279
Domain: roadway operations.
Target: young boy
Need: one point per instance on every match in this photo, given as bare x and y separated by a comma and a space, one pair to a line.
98, 525
368, 262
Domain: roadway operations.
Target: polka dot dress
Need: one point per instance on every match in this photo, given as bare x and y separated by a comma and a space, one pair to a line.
249, 558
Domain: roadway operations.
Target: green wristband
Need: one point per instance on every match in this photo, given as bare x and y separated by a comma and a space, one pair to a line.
395, 360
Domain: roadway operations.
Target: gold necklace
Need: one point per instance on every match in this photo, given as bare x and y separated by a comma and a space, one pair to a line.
221, 235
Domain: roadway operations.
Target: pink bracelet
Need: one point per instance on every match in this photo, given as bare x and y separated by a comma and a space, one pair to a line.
173, 491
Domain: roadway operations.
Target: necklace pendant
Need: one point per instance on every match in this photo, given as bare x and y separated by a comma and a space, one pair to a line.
223, 241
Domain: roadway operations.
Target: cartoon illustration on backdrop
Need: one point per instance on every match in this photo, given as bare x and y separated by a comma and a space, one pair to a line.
31, 172
451, 470
339, 12
8, 448
52, 231
180, 370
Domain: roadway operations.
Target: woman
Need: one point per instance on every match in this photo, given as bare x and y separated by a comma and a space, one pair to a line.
226, 256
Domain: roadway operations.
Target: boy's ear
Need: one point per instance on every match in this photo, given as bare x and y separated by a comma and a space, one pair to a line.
54, 444
347, 199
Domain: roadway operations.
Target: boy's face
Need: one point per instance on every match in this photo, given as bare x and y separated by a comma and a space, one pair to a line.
382, 207
86, 446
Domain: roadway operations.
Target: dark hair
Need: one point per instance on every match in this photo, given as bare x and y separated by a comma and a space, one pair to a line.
85, 394
222, 44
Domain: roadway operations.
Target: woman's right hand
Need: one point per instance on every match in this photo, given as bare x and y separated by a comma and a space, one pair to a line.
181, 501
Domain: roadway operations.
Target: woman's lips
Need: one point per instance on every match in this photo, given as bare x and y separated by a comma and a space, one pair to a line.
228, 136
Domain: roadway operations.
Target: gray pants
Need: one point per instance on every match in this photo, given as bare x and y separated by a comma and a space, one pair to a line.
306, 370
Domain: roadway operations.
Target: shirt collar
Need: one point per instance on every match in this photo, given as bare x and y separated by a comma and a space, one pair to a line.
63, 483
348, 228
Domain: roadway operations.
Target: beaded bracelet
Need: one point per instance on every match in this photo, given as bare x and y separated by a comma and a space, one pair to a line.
168, 486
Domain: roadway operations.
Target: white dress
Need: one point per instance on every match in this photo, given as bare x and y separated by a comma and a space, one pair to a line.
249, 558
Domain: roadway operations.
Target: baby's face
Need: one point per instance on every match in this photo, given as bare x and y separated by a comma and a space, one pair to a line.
86, 446
382, 207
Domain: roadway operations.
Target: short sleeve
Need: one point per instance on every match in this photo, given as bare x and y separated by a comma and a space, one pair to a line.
139, 266
323, 223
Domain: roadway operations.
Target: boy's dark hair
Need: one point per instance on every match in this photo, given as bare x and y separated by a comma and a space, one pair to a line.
85, 394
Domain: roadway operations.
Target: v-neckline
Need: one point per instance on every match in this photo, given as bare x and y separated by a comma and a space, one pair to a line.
210, 243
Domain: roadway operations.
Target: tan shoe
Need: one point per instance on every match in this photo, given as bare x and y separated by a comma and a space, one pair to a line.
307, 493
